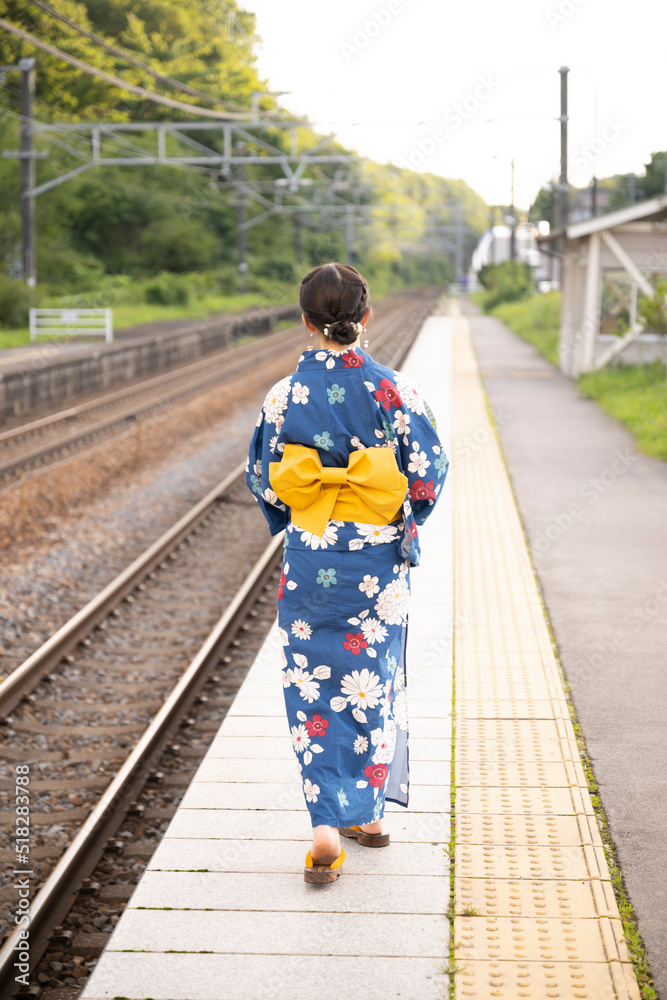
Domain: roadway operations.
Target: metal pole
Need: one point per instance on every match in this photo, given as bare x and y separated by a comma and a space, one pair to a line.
459, 243
240, 224
513, 222
298, 249
349, 234
29, 255
564, 188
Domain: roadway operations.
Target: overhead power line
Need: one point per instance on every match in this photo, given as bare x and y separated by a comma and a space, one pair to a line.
125, 56
117, 81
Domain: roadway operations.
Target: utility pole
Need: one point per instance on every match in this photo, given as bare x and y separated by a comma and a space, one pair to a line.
298, 248
29, 250
240, 223
564, 188
349, 234
459, 243
513, 222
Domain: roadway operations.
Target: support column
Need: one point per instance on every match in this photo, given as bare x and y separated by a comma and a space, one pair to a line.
590, 321
29, 249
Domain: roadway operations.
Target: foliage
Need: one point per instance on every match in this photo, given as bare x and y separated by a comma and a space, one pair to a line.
653, 311
505, 282
537, 320
649, 184
116, 234
637, 396
15, 301
542, 207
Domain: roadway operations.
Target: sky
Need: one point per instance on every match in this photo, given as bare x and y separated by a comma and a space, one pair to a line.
462, 89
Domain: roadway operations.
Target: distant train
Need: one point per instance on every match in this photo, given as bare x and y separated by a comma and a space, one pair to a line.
493, 247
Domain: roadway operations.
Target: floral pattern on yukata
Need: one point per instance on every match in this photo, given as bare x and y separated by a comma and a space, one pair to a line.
343, 595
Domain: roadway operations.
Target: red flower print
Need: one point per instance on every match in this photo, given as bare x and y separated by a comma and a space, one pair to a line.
281, 586
376, 774
413, 529
355, 642
352, 360
421, 490
388, 394
317, 726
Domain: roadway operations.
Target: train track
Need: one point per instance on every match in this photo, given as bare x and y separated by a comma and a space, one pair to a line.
118, 675
60, 435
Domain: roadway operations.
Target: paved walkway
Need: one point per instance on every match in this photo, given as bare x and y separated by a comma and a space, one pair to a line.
535, 914
595, 513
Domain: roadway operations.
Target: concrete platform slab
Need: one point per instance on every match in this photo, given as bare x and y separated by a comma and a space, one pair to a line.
223, 911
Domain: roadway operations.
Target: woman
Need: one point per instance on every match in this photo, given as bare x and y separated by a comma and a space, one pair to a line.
346, 459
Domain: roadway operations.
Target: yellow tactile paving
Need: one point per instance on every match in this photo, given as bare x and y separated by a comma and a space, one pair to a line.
536, 915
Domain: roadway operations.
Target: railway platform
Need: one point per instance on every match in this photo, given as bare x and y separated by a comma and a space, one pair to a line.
498, 880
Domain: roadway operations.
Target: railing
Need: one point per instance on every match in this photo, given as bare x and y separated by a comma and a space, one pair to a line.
72, 323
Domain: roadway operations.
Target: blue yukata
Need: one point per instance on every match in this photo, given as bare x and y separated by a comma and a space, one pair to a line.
343, 594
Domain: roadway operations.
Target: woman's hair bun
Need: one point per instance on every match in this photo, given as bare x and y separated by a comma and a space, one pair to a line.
342, 331
334, 298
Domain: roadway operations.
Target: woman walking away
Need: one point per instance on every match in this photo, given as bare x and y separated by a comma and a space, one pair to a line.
345, 457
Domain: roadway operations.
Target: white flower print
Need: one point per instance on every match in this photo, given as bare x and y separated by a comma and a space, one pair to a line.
300, 738
362, 688
300, 393
287, 676
301, 629
392, 604
418, 463
328, 537
402, 422
271, 498
360, 744
356, 443
373, 631
410, 393
401, 709
376, 534
311, 790
369, 585
276, 400
309, 689
385, 742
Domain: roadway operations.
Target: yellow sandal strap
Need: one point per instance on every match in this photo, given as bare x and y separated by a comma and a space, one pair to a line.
335, 864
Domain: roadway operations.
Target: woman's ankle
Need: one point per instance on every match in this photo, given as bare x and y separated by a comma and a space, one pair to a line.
326, 841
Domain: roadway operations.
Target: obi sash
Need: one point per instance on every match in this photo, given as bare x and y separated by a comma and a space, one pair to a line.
371, 489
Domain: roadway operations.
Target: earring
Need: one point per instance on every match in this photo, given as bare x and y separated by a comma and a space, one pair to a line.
365, 343
310, 345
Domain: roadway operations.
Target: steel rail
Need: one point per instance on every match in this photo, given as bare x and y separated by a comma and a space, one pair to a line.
22, 680
138, 410
56, 896
229, 353
24, 461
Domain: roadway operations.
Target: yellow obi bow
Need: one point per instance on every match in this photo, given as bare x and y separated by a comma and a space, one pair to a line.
370, 490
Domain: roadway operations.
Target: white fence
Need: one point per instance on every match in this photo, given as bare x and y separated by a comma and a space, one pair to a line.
71, 323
